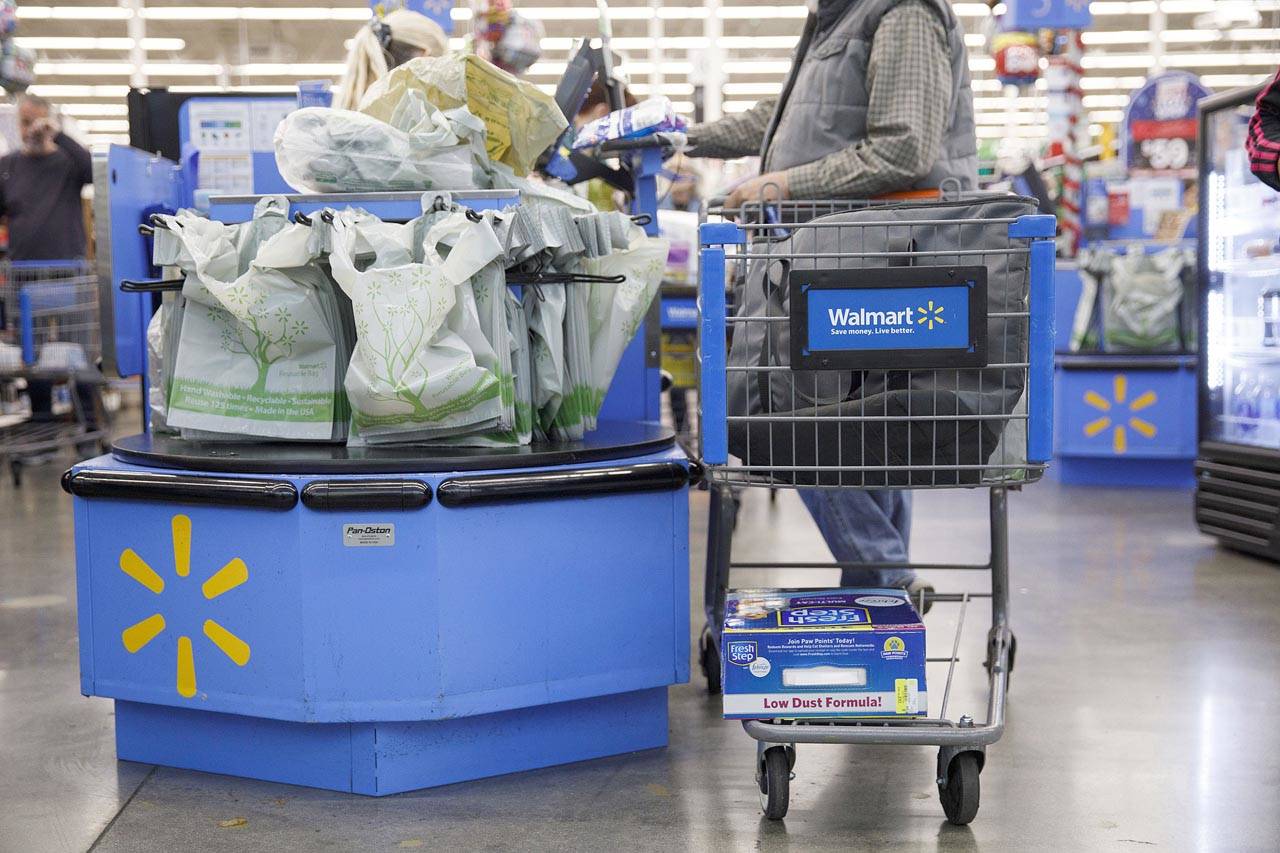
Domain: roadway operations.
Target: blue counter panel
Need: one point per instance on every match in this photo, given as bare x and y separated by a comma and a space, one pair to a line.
480, 638
1124, 413
388, 758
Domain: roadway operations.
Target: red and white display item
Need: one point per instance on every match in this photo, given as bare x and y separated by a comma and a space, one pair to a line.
1067, 134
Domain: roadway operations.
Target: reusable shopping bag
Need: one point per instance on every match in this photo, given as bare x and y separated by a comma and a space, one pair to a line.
1143, 297
257, 352
412, 376
520, 120
874, 418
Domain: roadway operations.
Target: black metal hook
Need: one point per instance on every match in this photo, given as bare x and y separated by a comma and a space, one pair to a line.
301, 218
326, 216
157, 286
157, 222
472, 215
146, 230
642, 219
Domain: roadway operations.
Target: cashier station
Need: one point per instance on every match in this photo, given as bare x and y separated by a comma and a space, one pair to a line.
381, 619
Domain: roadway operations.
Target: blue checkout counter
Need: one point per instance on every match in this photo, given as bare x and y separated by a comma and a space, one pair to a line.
1121, 420
381, 619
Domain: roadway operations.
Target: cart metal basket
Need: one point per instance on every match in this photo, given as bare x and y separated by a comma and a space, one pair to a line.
878, 346
50, 345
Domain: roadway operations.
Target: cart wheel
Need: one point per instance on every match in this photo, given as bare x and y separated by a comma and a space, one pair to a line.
709, 659
961, 792
774, 777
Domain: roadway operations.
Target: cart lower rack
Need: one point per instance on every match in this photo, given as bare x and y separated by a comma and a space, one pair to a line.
890, 346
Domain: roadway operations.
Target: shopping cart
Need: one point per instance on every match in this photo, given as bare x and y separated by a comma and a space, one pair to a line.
50, 344
799, 402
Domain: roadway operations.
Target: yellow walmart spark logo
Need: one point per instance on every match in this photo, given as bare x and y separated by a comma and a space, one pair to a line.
930, 315
1119, 406
225, 579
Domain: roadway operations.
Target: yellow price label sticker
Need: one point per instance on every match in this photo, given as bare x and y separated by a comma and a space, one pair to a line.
906, 695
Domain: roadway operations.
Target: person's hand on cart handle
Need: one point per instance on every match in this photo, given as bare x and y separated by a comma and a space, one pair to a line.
771, 186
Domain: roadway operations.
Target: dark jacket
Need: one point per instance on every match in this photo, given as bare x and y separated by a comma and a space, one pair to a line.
41, 198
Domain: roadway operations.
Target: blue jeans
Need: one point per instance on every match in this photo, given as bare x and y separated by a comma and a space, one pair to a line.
864, 526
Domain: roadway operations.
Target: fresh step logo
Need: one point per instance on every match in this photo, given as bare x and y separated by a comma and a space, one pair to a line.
742, 652
822, 616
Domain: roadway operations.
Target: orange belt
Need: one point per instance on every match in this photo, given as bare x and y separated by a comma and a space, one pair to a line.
910, 195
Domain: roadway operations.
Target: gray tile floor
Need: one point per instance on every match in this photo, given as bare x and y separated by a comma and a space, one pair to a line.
1142, 715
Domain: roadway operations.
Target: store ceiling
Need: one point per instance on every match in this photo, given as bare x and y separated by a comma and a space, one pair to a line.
84, 49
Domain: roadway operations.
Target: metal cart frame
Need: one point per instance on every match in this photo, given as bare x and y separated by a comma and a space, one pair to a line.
962, 742
51, 304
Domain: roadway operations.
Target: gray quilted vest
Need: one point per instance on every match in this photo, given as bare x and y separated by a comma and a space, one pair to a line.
824, 106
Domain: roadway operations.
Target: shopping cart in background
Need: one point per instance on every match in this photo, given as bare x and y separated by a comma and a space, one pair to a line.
792, 396
51, 389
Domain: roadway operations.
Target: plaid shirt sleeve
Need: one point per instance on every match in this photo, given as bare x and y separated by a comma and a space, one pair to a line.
738, 135
909, 81
1263, 142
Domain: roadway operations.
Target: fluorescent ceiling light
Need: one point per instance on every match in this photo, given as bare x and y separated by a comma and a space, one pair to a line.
1038, 102
55, 90
254, 13
767, 13
79, 43
277, 89
1106, 116
104, 125
1181, 60
1029, 131
668, 89
74, 13
289, 69
93, 109
763, 90
124, 69
765, 66
1232, 81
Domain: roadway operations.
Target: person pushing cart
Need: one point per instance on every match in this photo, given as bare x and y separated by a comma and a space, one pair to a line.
878, 101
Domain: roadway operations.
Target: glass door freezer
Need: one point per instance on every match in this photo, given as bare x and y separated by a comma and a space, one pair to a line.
1238, 469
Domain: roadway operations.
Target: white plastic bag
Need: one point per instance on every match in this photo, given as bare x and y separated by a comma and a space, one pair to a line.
617, 310
326, 150
257, 353
544, 309
411, 376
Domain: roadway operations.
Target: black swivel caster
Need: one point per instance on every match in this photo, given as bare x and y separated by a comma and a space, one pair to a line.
774, 778
709, 661
961, 791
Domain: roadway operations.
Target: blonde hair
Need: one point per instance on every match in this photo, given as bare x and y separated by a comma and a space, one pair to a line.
366, 61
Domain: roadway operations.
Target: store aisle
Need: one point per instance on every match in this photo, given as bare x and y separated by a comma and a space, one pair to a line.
1137, 715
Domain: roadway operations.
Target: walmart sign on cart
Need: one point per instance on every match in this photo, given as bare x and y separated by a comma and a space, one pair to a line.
908, 317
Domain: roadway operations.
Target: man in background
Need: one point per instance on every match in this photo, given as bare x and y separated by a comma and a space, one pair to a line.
40, 187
